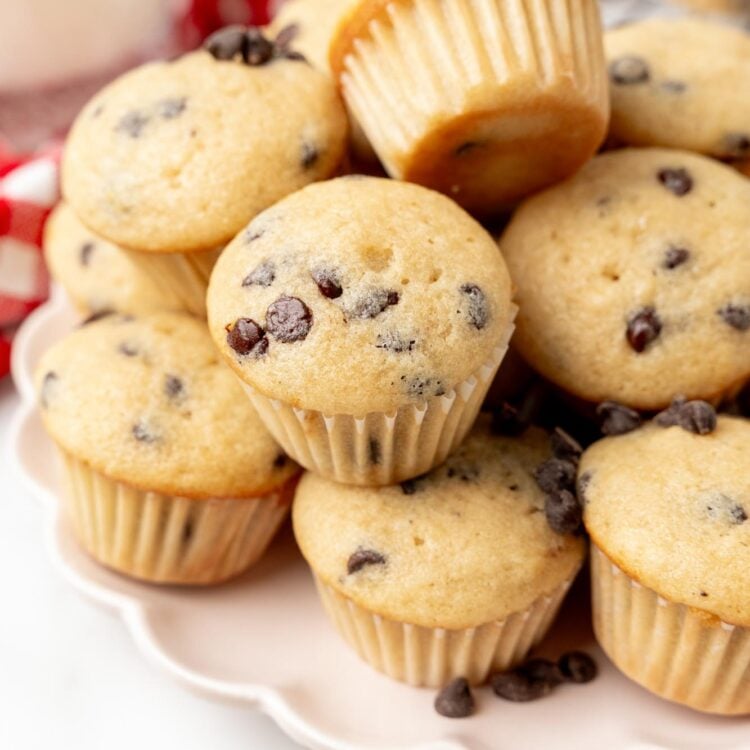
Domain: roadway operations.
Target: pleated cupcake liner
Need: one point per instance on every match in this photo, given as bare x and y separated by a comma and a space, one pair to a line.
166, 539
182, 277
380, 449
678, 652
430, 657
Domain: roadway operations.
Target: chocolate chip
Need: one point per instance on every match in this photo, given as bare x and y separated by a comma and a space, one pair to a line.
289, 319
455, 700
263, 274
247, 337
581, 486
412, 486
674, 87
362, 558
674, 257
507, 421
564, 513
132, 124
253, 234
519, 687
98, 315
698, 417
226, 43
616, 419
738, 514
392, 342
309, 155
174, 388
128, 349
736, 145
555, 475
423, 387
49, 383
280, 461
143, 434
372, 304
257, 50
478, 308
577, 667
626, 71
737, 316
375, 453
644, 327
564, 446
328, 282
676, 180
703, 593
86, 252
169, 109
542, 670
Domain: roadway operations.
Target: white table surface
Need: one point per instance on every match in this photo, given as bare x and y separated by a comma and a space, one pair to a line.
70, 677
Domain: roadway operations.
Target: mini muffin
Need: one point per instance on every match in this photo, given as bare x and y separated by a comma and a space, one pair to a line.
667, 510
486, 101
454, 574
97, 275
366, 318
170, 475
174, 158
631, 273
664, 97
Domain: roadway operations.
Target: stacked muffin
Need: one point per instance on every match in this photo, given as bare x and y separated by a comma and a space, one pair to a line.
355, 325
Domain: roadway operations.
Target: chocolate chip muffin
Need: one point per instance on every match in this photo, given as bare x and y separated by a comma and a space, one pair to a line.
97, 275
667, 509
171, 476
174, 158
485, 100
634, 281
454, 574
366, 317
662, 96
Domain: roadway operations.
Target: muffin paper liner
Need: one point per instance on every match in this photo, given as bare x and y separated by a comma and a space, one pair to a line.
680, 653
183, 277
165, 539
417, 61
430, 657
380, 449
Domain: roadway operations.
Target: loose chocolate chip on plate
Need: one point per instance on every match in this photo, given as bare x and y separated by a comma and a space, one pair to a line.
328, 282
564, 446
617, 419
736, 145
87, 250
247, 337
737, 316
372, 304
309, 155
289, 319
171, 108
263, 274
478, 307
643, 328
132, 124
555, 474
577, 667
393, 342
226, 43
518, 687
676, 180
674, 257
143, 434
174, 388
49, 383
542, 670
363, 558
626, 71
455, 700
563, 511
507, 421
698, 417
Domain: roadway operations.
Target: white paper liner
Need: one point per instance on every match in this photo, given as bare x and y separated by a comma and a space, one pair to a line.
678, 652
183, 277
165, 539
430, 657
406, 444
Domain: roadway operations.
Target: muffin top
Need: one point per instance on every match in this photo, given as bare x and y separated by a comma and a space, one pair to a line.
671, 508
98, 276
464, 545
145, 401
179, 156
662, 96
360, 295
630, 272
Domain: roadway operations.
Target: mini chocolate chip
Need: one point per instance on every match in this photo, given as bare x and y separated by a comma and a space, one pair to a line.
698, 417
362, 558
247, 337
464, 472
518, 687
626, 71
507, 421
555, 475
737, 316
49, 382
617, 419
422, 387
98, 315
675, 257
542, 670
478, 307
86, 252
703, 593
674, 87
226, 43
257, 50
564, 446
392, 342
455, 700
563, 511
169, 109
676, 180
577, 667
128, 349
253, 234
581, 486
738, 514
280, 461
374, 452
372, 304
143, 434
174, 387
644, 327
289, 319
263, 274
736, 145
187, 532
309, 155
466, 148
412, 486
132, 124
328, 282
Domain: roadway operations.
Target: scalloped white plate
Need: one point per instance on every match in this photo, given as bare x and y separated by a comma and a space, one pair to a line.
264, 640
